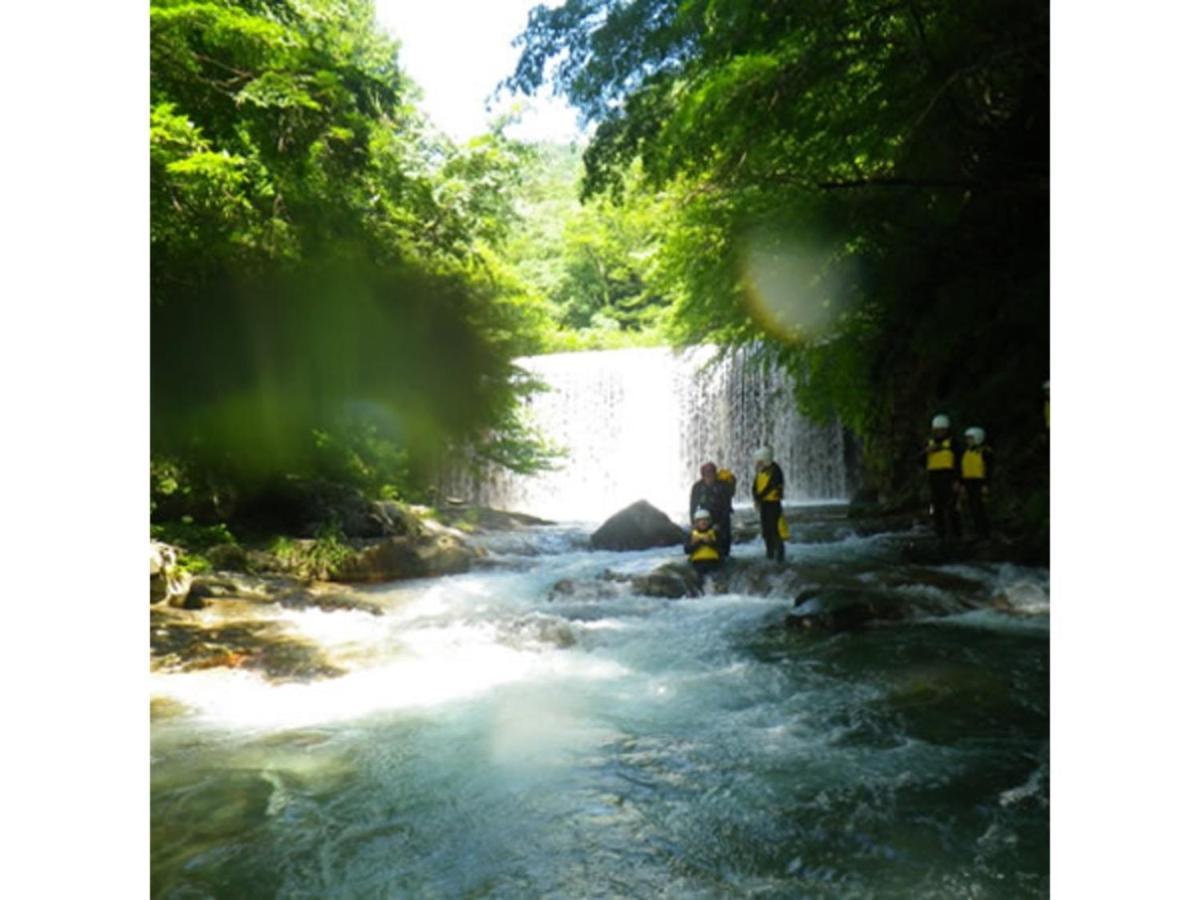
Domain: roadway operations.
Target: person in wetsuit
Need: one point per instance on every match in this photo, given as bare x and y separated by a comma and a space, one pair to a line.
975, 467
941, 464
768, 500
715, 494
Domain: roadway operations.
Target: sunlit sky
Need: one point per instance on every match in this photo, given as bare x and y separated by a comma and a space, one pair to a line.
458, 51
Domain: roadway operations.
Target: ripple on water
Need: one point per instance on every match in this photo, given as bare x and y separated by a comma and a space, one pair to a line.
492, 742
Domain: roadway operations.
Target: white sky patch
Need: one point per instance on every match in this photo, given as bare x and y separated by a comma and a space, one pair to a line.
458, 51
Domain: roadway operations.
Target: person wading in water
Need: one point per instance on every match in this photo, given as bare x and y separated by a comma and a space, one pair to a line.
715, 494
768, 500
703, 545
941, 462
975, 467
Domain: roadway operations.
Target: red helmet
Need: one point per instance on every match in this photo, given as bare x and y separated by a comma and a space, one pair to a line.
707, 468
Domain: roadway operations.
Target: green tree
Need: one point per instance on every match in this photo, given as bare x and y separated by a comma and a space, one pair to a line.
326, 296
860, 188
592, 263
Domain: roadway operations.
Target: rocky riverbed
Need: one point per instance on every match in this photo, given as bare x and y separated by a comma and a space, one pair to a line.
237, 620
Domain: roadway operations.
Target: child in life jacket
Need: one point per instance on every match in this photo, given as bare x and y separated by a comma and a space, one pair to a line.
703, 545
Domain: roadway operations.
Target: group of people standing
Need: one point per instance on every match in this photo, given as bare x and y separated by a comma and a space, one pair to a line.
711, 506
962, 472
956, 470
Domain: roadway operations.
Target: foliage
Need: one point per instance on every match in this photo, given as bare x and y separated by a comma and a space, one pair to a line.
191, 536
326, 294
593, 264
319, 558
862, 187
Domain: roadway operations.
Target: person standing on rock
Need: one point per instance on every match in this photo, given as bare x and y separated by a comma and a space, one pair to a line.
941, 464
974, 469
715, 495
768, 500
703, 544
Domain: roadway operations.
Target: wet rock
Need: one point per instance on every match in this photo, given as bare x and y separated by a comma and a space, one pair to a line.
536, 630
413, 556
673, 580
907, 576
263, 588
228, 558
180, 643
570, 589
472, 519
397, 519
638, 526
329, 601
282, 589
167, 580
845, 610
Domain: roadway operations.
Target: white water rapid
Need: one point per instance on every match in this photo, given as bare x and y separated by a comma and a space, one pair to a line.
638, 423
537, 728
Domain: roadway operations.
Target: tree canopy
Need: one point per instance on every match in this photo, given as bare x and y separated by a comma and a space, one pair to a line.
326, 294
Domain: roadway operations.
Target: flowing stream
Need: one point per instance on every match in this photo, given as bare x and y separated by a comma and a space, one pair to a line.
496, 736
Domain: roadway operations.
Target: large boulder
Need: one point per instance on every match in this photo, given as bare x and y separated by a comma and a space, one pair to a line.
413, 556
638, 527
672, 581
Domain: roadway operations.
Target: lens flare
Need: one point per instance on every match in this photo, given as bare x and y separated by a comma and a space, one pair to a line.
793, 289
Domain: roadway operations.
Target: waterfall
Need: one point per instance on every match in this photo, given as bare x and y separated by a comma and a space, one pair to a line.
638, 424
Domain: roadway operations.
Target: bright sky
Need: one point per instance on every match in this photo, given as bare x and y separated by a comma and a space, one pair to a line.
458, 51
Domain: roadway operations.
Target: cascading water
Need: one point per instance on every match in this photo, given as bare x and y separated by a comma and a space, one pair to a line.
638, 423
498, 735
538, 727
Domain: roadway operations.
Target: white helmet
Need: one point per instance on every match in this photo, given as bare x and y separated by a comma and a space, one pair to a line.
976, 434
701, 513
762, 454
941, 421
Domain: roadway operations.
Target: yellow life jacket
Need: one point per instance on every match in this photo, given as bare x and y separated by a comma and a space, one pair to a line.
939, 455
704, 551
760, 483
973, 464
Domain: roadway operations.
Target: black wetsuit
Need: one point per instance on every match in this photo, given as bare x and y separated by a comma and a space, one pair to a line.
942, 479
974, 480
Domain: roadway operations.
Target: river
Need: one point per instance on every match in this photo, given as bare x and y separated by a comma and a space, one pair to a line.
495, 737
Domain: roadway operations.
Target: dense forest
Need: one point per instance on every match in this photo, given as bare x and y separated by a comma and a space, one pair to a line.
857, 190
860, 188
